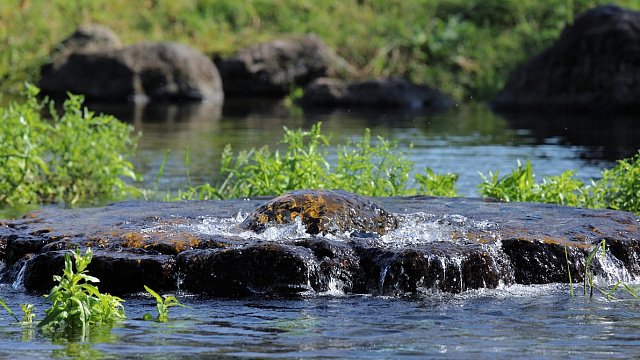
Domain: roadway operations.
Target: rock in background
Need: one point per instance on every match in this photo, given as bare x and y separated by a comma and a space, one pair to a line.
91, 62
375, 93
274, 68
594, 65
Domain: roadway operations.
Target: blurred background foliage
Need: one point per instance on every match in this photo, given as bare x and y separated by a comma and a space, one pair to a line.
464, 47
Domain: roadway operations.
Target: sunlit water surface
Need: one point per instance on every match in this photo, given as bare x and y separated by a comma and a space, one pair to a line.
523, 322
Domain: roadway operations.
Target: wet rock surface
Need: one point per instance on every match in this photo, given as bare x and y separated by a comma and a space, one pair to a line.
378, 93
440, 244
323, 212
592, 66
92, 63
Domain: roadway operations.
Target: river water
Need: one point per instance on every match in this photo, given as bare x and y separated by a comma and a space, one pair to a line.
517, 321
467, 140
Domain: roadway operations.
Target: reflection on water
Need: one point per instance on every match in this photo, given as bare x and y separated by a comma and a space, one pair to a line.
466, 140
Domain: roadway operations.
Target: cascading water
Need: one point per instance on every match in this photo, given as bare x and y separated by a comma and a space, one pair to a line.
416, 246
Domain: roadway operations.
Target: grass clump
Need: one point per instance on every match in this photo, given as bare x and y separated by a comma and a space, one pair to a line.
74, 156
76, 302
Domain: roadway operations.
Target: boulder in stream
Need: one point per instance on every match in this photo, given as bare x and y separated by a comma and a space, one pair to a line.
98, 68
274, 68
375, 93
592, 66
322, 212
438, 245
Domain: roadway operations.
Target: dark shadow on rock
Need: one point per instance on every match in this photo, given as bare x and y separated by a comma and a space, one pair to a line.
376, 93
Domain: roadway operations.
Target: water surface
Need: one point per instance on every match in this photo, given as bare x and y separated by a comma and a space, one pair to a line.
524, 322
467, 140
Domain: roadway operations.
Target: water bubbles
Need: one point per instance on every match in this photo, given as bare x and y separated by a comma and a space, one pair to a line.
422, 228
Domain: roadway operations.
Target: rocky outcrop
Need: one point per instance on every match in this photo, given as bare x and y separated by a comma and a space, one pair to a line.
592, 66
440, 244
376, 93
274, 68
99, 69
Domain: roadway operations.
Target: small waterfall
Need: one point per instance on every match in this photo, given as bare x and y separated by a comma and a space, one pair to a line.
609, 270
18, 281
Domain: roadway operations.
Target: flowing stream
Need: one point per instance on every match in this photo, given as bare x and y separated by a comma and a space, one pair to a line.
535, 321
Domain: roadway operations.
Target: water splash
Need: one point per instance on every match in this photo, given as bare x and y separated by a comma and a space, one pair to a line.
421, 228
609, 270
18, 282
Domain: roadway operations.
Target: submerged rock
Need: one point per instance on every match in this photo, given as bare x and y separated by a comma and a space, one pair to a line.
429, 244
274, 68
592, 66
100, 69
378, 93
322, 212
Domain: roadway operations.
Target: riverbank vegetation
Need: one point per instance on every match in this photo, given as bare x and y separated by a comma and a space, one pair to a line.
465, 48
76, 156
69, 156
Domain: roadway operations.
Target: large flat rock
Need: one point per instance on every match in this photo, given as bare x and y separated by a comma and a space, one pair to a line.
441, 244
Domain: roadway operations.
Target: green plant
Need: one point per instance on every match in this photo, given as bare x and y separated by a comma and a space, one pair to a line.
73, 157
372, 169
28, 314
588, 285
76, 303
619, 187
365, 166
4, 305
434, 184
520, 185
163, 303
27, 310
566, 257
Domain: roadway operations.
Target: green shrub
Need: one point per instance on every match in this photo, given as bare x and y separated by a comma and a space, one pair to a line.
619, 187
75, 156
520, 185
434, 184
366, 167
163, 303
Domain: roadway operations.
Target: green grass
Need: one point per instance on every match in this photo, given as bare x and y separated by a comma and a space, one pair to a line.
466, 48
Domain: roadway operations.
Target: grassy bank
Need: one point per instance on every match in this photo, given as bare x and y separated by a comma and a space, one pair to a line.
464, 47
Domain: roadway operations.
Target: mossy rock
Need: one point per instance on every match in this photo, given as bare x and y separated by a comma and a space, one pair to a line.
322, 212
